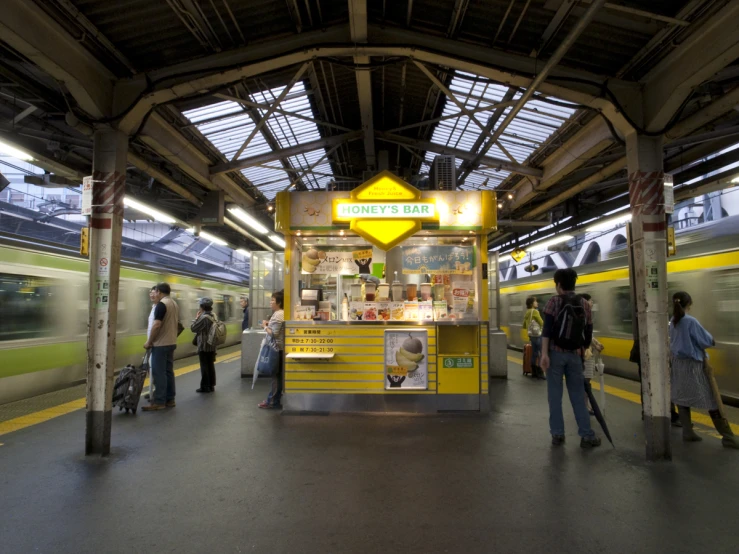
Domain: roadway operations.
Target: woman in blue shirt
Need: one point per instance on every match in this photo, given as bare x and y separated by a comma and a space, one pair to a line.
690, 385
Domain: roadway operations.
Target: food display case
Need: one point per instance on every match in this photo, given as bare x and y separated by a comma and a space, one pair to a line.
402, 274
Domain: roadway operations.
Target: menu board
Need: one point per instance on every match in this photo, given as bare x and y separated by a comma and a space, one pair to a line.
406, 359
438, 260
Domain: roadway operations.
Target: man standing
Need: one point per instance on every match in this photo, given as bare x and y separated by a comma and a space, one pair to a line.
153, 299
163, 341
568, 327
245, 306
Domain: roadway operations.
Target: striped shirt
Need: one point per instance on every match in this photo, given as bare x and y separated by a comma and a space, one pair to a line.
277, 326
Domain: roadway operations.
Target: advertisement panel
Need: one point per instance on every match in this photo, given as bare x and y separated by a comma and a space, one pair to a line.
406, 359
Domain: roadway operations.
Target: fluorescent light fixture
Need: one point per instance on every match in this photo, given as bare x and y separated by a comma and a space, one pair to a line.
277, 240
144, 209
504, 258
548, 243
609, 223
8, 150
252, 222
243, 252
212, 238
735, 180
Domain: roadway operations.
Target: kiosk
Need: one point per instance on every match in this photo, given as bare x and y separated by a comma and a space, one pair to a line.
402, 324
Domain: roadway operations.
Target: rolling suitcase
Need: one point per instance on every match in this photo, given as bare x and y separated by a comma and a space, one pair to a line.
129, 384
527, 351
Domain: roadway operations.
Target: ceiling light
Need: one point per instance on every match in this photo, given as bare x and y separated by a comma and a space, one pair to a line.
735, 180
243, 252
270, 207
144, 209
500, 204
425, 238
277, 240
8, 150
252, 222
504, 258
212, 238
609, 223
298, 233
510, 196
548, 243
341, 232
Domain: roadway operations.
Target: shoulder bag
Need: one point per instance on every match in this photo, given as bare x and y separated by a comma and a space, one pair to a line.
534, 329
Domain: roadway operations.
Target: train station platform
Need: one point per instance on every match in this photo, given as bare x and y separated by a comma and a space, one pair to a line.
216, 474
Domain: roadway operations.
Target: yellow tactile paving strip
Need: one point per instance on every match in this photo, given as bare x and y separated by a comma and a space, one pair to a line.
698, 417
18, 423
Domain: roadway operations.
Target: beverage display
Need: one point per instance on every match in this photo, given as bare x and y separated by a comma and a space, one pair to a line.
425, 292
383, 292
411, 292
369, 291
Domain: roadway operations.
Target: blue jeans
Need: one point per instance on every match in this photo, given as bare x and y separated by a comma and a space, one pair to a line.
569, 366
535, 352
275, 391
162, 370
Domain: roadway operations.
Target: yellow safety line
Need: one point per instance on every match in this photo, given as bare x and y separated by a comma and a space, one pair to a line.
697, 417
55, 411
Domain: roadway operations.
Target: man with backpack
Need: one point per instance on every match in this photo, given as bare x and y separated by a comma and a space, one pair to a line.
568, 329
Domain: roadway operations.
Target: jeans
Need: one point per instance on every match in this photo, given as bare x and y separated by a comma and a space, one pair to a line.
207, 370
275, 392
535, 353
162, 369
569, 365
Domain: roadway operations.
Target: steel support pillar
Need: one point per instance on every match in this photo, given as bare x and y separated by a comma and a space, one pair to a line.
648, 243
110, 148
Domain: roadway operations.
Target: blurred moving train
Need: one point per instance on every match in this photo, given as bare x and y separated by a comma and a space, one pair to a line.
707, 267
44, 311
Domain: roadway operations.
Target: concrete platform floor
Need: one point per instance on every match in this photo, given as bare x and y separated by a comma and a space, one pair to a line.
215, 474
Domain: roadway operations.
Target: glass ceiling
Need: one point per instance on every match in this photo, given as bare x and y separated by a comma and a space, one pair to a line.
227, 125
530, 129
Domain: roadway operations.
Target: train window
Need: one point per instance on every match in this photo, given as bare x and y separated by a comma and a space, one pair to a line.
143, 307
28, 305
228, 303
622, 313
726, 318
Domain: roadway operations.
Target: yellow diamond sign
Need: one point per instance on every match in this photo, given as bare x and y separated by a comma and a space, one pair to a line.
385, 210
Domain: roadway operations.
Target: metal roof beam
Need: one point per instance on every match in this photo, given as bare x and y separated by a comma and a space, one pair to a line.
283, 153
169, 143
587, 142
182, 80
358, 30
33, 33
454, 116
713, 46
462, 154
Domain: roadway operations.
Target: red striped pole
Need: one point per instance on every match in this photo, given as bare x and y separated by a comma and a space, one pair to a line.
106, 226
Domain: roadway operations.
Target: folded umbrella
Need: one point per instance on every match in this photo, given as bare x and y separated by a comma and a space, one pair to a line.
598, 413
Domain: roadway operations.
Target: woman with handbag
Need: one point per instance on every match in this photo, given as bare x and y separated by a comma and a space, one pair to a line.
693, 385
533, 323
275, 329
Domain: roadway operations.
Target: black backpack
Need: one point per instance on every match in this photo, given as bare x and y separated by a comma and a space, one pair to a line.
570, 323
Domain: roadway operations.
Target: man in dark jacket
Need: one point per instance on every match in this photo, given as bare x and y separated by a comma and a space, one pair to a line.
245, 306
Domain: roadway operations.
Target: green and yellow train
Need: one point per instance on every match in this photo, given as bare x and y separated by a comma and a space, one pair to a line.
707, 267
44, 311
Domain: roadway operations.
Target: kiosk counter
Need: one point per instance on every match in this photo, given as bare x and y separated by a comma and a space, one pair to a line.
386, 298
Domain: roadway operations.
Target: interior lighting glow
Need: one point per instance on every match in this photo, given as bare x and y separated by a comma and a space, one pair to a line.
609, 223
8, 150
144, 209
243, 252
735, 180
277, 240
549, 243
504, 258
212, 238
241, 215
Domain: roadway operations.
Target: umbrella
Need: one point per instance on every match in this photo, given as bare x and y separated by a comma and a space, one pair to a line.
600, 370
597, 412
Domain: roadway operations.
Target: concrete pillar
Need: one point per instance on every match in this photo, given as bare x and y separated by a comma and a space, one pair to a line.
646, 196
106, 224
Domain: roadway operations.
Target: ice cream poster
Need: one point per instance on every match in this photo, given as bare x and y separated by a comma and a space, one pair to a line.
315, 260
406, 360
438, 260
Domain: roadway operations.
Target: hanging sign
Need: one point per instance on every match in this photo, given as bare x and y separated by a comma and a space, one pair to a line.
406, 359
385, 210
87, 195
438, 260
